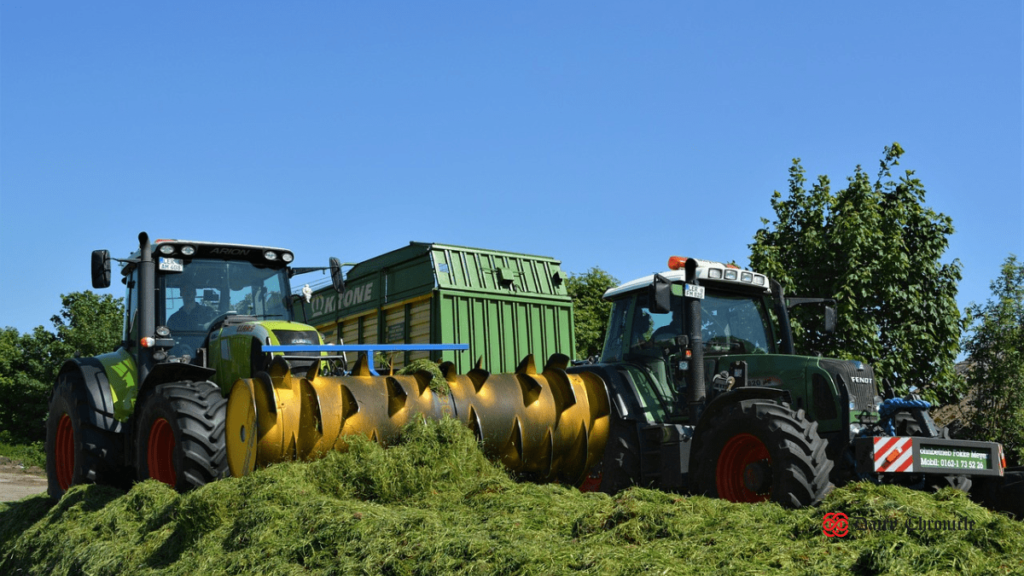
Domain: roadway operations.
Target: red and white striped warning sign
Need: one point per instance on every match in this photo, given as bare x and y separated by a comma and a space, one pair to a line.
894, 454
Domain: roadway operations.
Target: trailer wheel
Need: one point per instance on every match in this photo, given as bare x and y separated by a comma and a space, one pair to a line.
755, 450
179, 435
78, 452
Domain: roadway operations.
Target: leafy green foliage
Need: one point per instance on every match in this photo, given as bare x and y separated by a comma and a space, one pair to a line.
876, 249
591, 312
88, 324
28, 364
995, 374
434, 505
27, 455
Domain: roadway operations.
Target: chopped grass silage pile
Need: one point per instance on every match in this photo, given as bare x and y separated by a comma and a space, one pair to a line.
434, 505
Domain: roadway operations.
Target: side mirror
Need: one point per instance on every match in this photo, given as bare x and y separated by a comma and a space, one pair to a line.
100, 269
337, 277
830, 320
661, 295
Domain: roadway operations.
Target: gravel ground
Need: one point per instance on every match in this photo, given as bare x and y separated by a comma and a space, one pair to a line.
17, 482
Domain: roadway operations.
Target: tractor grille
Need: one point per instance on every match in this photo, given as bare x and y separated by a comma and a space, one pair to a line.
299, 337
859, 382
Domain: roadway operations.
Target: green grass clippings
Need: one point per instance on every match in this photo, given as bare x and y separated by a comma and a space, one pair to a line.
432, 504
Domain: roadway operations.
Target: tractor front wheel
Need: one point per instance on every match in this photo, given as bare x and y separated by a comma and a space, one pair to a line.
179, 435
757, 450
78, 451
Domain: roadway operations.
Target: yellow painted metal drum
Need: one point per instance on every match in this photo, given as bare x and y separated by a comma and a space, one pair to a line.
547, 426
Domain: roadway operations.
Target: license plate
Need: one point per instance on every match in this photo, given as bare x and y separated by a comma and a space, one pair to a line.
171, 265
694, 292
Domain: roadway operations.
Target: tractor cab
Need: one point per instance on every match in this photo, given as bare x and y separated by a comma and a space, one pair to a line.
205, 310
201, 285
737, 317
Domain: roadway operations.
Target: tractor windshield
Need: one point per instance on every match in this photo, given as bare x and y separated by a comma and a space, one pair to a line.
735, 324
730, 324
192, 298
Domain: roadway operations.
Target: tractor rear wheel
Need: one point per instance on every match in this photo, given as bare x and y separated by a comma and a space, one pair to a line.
757, 450
179, 435
77, 451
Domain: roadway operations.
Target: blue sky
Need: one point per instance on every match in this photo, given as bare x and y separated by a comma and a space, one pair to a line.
601, 133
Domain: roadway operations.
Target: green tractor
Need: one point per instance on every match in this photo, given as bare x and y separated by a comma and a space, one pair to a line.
213, 377
197, 317
708, 396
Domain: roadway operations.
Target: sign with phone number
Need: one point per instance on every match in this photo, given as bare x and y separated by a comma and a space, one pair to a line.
936, 457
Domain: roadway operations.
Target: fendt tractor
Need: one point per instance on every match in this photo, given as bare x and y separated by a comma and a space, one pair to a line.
698, 390
708, 396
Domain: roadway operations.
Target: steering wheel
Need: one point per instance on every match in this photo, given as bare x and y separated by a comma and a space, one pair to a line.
220, 320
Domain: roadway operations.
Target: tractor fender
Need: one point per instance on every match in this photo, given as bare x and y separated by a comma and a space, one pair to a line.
174, 372
738, 395
92, 376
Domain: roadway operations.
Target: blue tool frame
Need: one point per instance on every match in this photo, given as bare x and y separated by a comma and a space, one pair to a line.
368, 348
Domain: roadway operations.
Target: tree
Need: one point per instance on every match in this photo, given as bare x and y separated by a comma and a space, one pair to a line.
26, 376
88, 324
876, 249
591, 312
995, 373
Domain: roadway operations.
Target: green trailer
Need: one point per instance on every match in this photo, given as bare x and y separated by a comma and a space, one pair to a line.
505, 305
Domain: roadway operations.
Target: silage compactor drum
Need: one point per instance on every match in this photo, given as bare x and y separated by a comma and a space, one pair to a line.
544, 426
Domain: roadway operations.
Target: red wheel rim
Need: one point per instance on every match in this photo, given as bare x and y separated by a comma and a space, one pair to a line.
739, 452
160, 452
64, 452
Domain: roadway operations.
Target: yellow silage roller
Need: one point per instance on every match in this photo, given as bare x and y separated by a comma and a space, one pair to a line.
548, 426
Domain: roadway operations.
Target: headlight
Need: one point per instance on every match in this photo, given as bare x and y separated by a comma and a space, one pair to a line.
166, 249
270, 255
715, 273
730, 274
287, 257
188, 250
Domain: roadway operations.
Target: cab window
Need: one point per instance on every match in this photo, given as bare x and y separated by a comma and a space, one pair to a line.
735, 324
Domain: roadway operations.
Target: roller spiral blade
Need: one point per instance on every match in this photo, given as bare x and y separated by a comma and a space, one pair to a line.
547, 426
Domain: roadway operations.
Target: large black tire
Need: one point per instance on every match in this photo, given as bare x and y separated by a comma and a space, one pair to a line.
179, 435
756, 450
77, 451
1003, 494
620, 467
